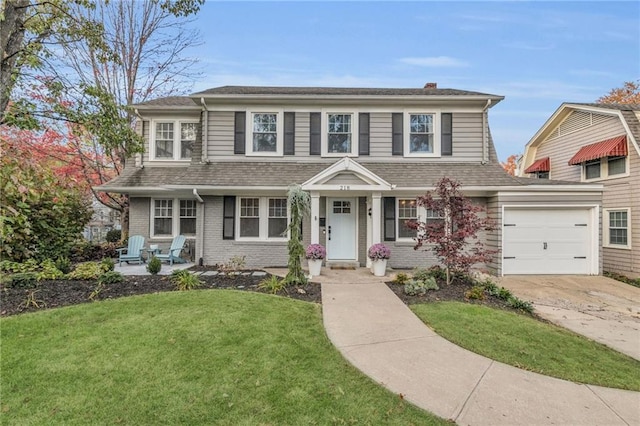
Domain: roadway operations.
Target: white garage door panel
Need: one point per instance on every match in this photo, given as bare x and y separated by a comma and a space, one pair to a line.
546, 241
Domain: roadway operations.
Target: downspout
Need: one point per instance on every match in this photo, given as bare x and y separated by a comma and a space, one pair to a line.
140, 159
199, 228
485, 137
205, 125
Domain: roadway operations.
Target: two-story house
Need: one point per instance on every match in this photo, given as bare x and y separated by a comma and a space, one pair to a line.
597, 143
218, 163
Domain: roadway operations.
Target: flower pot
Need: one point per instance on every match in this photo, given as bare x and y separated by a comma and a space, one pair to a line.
315, 266
379, 267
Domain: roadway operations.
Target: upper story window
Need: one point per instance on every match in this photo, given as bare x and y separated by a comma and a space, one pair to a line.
340, 135
422, 134
173, 140
616, 165
603, 168
542, 175
265, 134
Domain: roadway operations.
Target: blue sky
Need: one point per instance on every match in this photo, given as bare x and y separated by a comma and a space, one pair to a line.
536, 54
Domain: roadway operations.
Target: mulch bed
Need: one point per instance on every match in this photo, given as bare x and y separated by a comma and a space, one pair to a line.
54, 294
57, 293
451, 292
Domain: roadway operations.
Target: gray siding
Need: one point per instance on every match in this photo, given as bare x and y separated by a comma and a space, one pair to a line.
467, 138
560, 149
583, 128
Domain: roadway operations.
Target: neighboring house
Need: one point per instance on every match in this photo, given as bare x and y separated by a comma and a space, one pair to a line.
597, 143
104, 219
217, 165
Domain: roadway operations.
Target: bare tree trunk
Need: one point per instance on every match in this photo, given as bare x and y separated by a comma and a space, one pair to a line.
12, 34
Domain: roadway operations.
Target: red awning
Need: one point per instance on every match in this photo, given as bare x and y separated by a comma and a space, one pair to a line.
541, 165
614, 147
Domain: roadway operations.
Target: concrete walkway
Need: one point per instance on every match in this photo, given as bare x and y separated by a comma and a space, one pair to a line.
380, 336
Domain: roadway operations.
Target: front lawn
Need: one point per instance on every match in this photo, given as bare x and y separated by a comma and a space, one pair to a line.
530, 344
200, 357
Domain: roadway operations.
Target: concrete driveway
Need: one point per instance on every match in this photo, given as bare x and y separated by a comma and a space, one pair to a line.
597, 307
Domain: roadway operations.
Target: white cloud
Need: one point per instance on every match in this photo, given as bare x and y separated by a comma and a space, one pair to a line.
435, 62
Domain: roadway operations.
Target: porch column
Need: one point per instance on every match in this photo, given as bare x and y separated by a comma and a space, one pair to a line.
376, 211
315, 220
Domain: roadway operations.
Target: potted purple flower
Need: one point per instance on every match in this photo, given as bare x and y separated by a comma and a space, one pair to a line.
379, 254
315, 253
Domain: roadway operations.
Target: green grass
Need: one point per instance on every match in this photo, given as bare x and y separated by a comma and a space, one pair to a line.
529, 344
205, 357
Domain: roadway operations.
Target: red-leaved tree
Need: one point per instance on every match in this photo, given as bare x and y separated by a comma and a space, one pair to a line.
454, 239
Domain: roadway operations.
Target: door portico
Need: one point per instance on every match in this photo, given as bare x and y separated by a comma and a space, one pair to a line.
342, 183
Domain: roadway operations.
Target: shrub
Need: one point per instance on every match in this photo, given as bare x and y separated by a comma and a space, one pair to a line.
438, 273
316, 252
154, 266
108, 264
401, 279
272, 284
420, 287
421, 274
86, 271
111, 277
234, 263
379, 251
31, 301
185, 280
520, 304
504, 294
30, 265
475, 293
63, 264
113, 236
49, 271
85, 251
23, 280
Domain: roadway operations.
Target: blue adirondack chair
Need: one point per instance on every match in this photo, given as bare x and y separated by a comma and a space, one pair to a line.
133, 250
174, 251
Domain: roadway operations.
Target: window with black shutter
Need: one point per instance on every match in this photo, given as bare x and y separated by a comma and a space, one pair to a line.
363, 137
446, 136
289, 133
315, 133
239, 133
396, 134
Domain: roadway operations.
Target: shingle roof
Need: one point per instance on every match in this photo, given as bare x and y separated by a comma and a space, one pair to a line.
170, 101
620, 107
336, 91
281, 174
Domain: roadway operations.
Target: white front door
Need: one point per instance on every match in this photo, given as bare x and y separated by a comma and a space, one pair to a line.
341, 229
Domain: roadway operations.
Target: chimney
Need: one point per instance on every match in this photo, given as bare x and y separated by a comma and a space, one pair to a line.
431, 86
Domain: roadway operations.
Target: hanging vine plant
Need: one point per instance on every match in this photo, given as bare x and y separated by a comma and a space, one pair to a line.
299, 205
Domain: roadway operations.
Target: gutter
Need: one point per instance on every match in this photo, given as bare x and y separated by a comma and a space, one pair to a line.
140, 159
198, 197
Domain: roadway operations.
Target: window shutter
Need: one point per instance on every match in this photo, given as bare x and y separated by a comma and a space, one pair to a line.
229, 218
446, 137
396, 137
363, 139
389, 218
314, 134
240, 130
289, 133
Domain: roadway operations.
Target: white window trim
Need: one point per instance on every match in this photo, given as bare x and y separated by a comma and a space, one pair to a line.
176, 139
279, 133
324, 136
422, 216
604, 171
263, 216
605, 230
175, 218
406, 132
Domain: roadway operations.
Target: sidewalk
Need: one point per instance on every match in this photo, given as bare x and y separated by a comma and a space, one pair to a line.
379, 334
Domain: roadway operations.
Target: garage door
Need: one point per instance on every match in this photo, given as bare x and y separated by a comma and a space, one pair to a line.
546, 241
